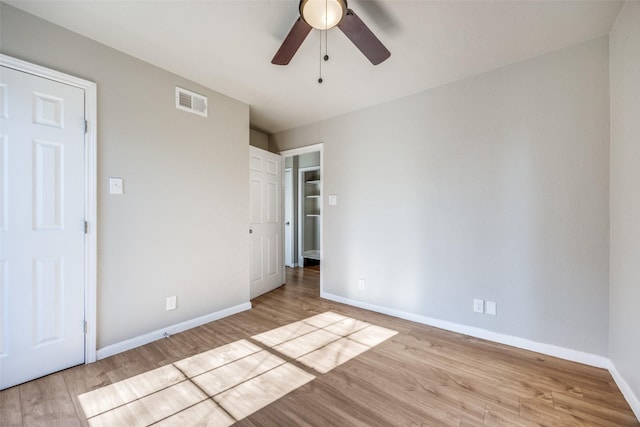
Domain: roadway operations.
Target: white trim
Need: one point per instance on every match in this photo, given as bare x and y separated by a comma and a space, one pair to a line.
37, 70
548, 349
627, 392
134, 342
292, 239
303, 150
90, 196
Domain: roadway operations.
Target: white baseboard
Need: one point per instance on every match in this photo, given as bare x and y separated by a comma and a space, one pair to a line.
628, 394
134, 342
548, 349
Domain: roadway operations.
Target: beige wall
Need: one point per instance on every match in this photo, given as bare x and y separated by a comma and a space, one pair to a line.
493, 187
180, 228
259, 139
625, 197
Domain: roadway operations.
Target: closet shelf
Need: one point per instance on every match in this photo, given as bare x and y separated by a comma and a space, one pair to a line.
312, 254
310, 212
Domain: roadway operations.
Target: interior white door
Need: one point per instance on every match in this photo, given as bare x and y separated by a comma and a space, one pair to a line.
266, 224
288, 218
41, 226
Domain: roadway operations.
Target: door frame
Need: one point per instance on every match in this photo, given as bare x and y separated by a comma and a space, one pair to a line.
90, 189
290, 242
303, 150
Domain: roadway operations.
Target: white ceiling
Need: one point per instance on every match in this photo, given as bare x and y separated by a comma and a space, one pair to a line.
227, 45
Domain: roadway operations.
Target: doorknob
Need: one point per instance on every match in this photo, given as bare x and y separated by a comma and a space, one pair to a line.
287, 223
250, 231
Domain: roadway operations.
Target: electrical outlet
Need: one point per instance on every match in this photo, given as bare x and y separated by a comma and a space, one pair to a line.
492, 308
361, 284
478, 306
171, 303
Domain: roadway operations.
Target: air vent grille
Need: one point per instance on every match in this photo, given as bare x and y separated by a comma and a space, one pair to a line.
191, 101
185, 100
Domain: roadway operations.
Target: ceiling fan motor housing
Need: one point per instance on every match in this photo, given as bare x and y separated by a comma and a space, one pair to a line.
323, 14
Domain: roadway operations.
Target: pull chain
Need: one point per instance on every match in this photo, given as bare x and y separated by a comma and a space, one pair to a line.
326, 47
320, 71
326, 44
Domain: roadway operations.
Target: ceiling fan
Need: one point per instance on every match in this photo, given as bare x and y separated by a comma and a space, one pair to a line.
324, 15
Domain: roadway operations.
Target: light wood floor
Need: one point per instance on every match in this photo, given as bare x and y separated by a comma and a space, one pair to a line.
421, 376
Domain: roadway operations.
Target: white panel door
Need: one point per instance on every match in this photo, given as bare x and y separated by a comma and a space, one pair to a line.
266, 225
41, 227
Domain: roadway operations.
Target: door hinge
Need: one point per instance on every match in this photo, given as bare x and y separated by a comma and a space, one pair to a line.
86, 327
86, 227
86, 126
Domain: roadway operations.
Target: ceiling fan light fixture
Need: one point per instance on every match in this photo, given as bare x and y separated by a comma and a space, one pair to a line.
323, 14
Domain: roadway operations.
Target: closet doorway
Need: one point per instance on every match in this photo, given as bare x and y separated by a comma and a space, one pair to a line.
309, 211
303, 207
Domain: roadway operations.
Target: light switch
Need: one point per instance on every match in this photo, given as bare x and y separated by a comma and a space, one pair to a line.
115, 186
333, 199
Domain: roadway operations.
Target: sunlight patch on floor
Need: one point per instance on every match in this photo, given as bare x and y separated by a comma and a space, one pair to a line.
228, 383
325, 341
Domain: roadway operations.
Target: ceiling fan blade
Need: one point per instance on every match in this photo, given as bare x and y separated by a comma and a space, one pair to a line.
290, 45
363, 38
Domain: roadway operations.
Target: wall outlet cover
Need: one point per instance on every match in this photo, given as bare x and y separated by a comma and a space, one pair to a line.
492, 308
171, 303
478, 306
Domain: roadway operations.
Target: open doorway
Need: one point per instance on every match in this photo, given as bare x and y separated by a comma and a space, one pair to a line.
303, 205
